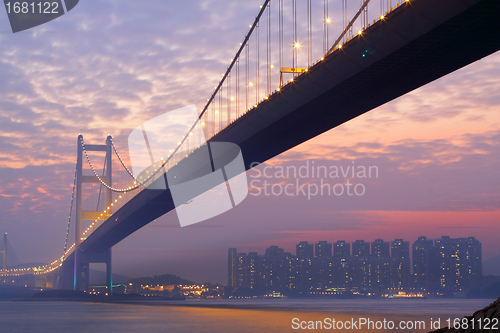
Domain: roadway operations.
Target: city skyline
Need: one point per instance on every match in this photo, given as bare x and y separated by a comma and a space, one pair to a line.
443, 265
436, 148
348, 242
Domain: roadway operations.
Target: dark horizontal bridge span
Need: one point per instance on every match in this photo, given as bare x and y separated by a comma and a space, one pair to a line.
416, 44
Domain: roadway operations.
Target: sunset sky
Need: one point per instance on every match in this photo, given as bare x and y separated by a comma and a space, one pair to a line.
108, 66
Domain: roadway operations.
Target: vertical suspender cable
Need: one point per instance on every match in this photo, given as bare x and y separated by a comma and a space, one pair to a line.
346, 20
257, 61
324, 27
268, 55
70, 212
247, 72
280, 42
228, 85
229, 99
309, 33
220, 107
366, 17
100, 188
362, 15
237, 88
344, 9
327, 27
294, 36
213, 117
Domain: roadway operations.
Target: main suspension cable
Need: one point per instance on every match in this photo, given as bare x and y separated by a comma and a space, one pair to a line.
70, 212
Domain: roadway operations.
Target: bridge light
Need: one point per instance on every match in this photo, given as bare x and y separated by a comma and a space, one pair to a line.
232, 98
328, 20
382, 17
202, 123
359, 32
250, 84
272, 66
297, 45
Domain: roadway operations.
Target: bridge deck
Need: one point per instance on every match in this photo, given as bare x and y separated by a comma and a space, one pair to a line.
414, 45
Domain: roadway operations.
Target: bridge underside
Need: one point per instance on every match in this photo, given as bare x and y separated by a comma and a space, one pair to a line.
76, 274
416, 44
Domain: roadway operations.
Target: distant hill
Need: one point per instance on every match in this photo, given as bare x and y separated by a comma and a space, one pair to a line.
165, 279
492, 266
8, 291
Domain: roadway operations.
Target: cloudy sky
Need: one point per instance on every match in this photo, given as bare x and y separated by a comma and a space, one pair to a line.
110, 65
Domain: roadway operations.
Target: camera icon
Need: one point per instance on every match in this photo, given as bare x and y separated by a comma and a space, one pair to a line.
205, 179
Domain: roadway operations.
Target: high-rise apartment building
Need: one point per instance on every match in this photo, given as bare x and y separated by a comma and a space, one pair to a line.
232, 262
304, 250
400, 264
380, 256
422, 255
323, 249
341, 249
457, 263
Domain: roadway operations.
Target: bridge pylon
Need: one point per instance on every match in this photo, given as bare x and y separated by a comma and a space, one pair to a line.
4, 251
83, 259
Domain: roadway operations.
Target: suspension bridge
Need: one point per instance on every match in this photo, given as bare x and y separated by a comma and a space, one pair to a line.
287, 83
